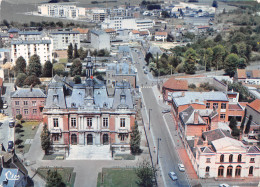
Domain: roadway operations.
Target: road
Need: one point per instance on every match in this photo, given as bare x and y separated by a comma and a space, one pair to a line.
168, 156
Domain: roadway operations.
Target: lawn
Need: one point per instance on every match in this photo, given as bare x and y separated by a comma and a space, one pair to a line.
27, 132
67, 174
117, 177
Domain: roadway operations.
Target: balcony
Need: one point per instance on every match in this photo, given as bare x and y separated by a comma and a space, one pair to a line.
55, 130
122, 131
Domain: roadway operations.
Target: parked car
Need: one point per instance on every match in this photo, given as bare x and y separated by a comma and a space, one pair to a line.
10, 146
145, 72
5, 106
224, 185
173, 175
166, 111
11, 123
181, 167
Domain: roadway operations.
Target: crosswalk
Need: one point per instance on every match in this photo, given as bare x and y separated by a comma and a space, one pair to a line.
146, 87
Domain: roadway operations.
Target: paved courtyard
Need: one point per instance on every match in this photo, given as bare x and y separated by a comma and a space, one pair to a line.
90, 152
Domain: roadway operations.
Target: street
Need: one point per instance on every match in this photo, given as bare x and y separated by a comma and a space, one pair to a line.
168, 156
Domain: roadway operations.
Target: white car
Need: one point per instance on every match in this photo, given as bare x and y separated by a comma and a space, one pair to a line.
173, 175
181, 167
5, 106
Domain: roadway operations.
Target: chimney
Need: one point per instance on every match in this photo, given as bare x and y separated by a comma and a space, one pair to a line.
196, 117
31, 87
205, 142
183, 94
196, 139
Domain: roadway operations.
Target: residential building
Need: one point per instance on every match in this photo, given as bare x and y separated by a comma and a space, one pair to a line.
118, 72
4, 55
160, 36
61, 10
62, 39
84, 33
12, 171
217, 155
13, 32
27, 48
100, 40
248, 76
112, 33
83, 114
97, 15
30, 35
217, 101
253, 110
28, 102
173, 85
127, 23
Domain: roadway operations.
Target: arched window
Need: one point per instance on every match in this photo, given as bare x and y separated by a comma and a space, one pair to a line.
239, 158
207, 169
74, 139
222, 158
229, 171
251, 170
238, 171
221, 171
230, 158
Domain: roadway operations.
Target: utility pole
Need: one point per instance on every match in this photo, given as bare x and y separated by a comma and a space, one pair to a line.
159, 139
149, 118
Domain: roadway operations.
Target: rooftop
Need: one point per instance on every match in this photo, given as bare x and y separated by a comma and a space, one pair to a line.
255, 105
18, 42
28, 93
160, 33
241, 73
175, 84
29, 33
215, 135
65, 32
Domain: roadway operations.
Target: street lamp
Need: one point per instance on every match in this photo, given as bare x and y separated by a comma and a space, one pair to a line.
149, 119
159, 139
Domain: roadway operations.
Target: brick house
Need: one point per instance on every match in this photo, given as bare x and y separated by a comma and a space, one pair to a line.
217, 101
217, 155
173, 85
29, 102
84, 114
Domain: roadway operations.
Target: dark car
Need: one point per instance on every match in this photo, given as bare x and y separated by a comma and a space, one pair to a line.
10, 146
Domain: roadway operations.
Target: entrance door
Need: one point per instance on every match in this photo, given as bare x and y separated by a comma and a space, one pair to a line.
105, 139
89, 139
74, 139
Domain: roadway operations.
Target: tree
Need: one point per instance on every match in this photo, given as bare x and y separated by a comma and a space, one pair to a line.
82, 53
47, 69
242, 63
215, 4
20, 65
45, 139
243, 122
208, 59
32, 80
218, 38
53, 179
145, 173
248, 124
76, 68
165, 14
148, 56
189, 65
233, 126
135, 140
76, 54
77, 79
35, 67
20, 79
58, 68
234, 49
231, 63
70, 51
218, 53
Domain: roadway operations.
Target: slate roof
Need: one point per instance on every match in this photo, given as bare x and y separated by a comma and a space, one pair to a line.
29, 33
98, 32
206, 150
175, 84
190, 116
123, 99
65, 32
18, 42
154, 50
215, 135
253, 149
28, 93
13, 30
184, 98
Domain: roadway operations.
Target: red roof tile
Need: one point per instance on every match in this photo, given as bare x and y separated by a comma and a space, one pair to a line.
255, 105
135, 32
256, 73
241, 73
161, 34
110, 30
175, 84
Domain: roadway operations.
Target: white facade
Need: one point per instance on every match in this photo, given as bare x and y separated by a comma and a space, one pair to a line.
62, 39
61, 10
27, 48
127, 23
97, 14
160, 37
100, 40
30, 35
227, 158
